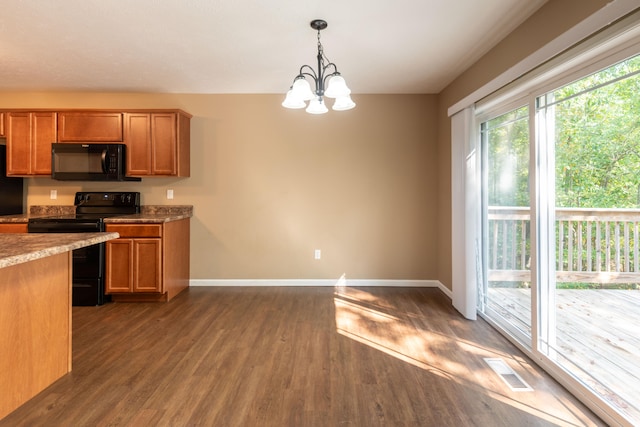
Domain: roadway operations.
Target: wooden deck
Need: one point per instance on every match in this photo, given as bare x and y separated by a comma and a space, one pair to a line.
597, 337
591, 245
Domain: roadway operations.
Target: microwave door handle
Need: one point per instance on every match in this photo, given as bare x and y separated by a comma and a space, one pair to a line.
104, 160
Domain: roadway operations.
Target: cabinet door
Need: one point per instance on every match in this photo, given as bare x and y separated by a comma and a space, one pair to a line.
137, 136
147, 271
43, 133
164, 143
90, 126
2, 131
29, 138
119, 266
18, 143
152, 144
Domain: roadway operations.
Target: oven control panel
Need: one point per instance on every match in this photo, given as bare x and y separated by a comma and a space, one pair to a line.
107, 198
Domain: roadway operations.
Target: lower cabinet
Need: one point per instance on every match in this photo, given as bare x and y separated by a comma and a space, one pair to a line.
134, 265
149, 262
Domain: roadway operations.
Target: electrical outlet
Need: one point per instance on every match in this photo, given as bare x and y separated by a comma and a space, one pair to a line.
317, 254
170, 194
53, 194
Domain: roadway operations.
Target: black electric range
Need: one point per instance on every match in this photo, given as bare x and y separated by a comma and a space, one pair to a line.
89, 262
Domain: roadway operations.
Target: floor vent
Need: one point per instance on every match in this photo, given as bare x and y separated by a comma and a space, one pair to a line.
508, 375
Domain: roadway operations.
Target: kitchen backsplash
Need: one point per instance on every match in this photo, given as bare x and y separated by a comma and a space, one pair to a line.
50, 210
167, 209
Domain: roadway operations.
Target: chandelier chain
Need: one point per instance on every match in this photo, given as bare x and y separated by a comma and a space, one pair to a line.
320, 49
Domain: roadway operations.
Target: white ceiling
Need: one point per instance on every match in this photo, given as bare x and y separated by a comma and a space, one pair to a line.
249, 46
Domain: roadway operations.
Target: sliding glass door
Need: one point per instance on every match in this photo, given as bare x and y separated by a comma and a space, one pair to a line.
562, 275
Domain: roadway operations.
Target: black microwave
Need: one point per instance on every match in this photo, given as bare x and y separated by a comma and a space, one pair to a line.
89, 162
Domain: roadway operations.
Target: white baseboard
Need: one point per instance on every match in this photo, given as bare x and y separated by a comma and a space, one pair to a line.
322, 282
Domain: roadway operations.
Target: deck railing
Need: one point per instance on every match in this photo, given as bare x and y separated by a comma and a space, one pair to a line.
592, 245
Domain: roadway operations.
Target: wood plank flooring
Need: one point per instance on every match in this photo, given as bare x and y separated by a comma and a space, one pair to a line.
286, 356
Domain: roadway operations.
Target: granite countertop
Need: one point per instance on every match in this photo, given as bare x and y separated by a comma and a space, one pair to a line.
148, 214
154, 214
24, 247
19, 218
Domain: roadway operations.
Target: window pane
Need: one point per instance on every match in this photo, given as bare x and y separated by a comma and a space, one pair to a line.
507, 290
594, 302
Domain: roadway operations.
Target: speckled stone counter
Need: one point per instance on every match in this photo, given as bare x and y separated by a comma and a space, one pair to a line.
19, 218
23, 247
154, 214
148, 214
50, 210
37, 212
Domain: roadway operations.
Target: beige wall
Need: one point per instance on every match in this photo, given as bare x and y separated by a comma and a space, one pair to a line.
370, 187
270, 185
550, 21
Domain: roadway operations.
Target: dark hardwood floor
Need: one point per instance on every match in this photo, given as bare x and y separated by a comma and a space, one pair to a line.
289, 356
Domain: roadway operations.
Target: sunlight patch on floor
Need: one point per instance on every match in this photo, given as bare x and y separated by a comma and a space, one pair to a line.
372, 321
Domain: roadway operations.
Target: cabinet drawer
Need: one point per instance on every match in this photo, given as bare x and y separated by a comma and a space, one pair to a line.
13, 228
136, 230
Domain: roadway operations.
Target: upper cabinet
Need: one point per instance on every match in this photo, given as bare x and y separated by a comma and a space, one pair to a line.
89, 126
29, 138
158, 143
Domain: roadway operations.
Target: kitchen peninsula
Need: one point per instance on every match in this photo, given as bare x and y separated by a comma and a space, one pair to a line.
35, 311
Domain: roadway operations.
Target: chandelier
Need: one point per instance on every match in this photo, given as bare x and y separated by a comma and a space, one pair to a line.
328, 83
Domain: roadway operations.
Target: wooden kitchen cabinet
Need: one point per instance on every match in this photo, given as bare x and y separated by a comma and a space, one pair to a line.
119, 266
134, 261
149, 262
158, 143
29, 138
134, 265
13, 227
90, 126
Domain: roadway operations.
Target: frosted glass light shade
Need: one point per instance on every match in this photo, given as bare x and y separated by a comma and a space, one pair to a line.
302, 90
316, 106
337, 88
343, 103
292, 102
